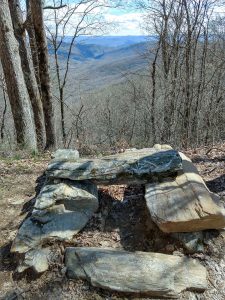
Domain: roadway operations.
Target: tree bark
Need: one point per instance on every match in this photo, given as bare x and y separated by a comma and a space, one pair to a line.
2, 128
28, 72
16, 87
42, 47
33, 44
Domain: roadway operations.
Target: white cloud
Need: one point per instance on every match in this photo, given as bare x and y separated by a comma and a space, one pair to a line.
127, 24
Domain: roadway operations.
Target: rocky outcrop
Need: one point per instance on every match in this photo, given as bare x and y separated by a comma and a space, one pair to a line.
61, 211
137, 166
152, 274
184, 204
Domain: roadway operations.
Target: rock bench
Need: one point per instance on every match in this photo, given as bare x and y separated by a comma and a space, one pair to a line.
177, 199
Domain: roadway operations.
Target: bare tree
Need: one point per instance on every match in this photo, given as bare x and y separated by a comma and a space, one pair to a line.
33, 45
84, 17
42, 50
16, 87
181, 70
29, 75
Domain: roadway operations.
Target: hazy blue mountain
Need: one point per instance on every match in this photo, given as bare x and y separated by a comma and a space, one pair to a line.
102, 47
102, 61
111, 41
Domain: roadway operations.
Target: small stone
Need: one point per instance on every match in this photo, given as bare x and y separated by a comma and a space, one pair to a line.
192, 242
65, 154
36, 259
162, 147
63, 271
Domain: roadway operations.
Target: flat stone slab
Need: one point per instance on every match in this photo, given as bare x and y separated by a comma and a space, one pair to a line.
61, 211
152, 274
184, 203
137, 166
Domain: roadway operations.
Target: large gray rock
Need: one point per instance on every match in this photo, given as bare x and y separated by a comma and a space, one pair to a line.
65, 154
184, 204
61, 211
137, 166
154, 274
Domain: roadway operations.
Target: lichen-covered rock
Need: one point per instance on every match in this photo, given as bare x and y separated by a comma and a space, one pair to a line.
184, 204
152, 274
138, 166
61, 211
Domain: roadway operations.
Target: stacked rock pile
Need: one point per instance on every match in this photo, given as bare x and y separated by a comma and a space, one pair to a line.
177, 199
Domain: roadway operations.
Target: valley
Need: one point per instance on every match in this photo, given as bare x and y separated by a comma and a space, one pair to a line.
97, 62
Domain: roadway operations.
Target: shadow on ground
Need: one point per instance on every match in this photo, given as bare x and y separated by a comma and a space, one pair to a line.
217, 185
126, 223
28, 206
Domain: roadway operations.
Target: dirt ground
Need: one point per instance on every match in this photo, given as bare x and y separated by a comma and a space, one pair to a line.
122, 221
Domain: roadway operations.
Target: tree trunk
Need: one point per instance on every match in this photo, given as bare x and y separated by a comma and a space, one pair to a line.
2, 128
16, 87
42, 47
28, 71
33, 44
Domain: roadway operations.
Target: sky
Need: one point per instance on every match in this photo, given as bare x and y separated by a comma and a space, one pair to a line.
127, 21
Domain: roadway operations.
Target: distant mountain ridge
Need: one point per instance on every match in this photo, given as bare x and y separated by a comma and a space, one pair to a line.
111, 41
104, 60
86, 48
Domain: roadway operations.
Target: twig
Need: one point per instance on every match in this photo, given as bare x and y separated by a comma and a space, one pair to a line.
54, 7
210, 171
